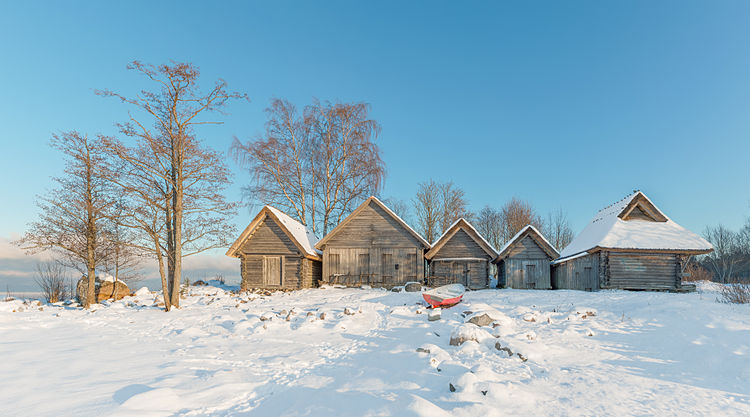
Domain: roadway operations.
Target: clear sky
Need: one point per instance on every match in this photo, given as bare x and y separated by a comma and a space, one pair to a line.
564, 104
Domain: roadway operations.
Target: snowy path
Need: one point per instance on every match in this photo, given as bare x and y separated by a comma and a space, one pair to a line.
637, 354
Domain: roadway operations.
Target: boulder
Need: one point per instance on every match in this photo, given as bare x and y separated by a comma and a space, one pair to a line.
480, 320
112, 290
413, 287
434, 315
82, 289
466, 332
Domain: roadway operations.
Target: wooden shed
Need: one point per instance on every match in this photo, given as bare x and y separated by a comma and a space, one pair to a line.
460, 255
373, 246
524, 262
628, 245
276, 251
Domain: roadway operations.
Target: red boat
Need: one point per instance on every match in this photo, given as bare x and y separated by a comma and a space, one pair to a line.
445, 296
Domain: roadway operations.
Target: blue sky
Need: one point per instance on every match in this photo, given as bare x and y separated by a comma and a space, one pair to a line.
565, 104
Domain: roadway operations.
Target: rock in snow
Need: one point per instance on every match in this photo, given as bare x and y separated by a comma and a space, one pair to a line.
413, 287
466, 332
434, 315
480, 320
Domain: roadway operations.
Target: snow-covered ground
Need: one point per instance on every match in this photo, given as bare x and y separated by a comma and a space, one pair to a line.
605, 353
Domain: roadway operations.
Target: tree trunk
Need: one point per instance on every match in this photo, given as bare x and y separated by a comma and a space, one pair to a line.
91, 266
162, 274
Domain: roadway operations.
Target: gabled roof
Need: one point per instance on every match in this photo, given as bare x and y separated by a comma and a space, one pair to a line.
461, 224
612, 228
361, 207
535, 235
298, 233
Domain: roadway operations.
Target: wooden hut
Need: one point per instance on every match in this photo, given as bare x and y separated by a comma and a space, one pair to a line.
276, 251
373, 246
524, 262
460, 255
629, 245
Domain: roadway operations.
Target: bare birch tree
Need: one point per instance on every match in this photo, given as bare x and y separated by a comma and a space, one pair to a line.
193, 176
453, 205
400, 207
316, 166
557, 229
74, 213
516, 214
489, 223
281, 162
437, 206
428, 209
726, 255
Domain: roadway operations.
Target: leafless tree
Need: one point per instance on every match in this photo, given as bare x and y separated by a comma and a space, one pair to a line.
281, 162
170, 159
74, 213
123, 257
517, 214
726, 255
453, 204
52, 281
489, 223
428, 209
557, 229
400, 207
316, 166
437, 206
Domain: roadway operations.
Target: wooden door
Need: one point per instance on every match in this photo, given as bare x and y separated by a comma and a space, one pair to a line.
530, 276
272, 270
460, 273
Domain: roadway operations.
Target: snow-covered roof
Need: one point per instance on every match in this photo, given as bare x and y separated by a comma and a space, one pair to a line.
521, 232
482, 241
299, 231
300, 234
386, 209
608, 229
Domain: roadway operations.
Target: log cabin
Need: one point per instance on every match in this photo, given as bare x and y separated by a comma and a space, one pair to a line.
277, 252
524, 261
630, 245
461, 255
373, 246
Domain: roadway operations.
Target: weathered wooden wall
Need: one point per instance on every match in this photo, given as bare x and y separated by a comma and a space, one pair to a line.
580, 273
472, 274
267, 243
523, 255
642, 271
453, 262
374, 249
516, 273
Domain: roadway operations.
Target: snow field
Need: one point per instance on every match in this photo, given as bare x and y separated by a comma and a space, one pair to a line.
375, 353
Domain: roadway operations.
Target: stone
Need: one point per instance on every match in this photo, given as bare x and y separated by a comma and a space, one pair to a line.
434, 315
322, 316
505, 349
467, 332
348, 311
82, 289
413, 287
451, 387
480, 320
112, 290
423, 350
